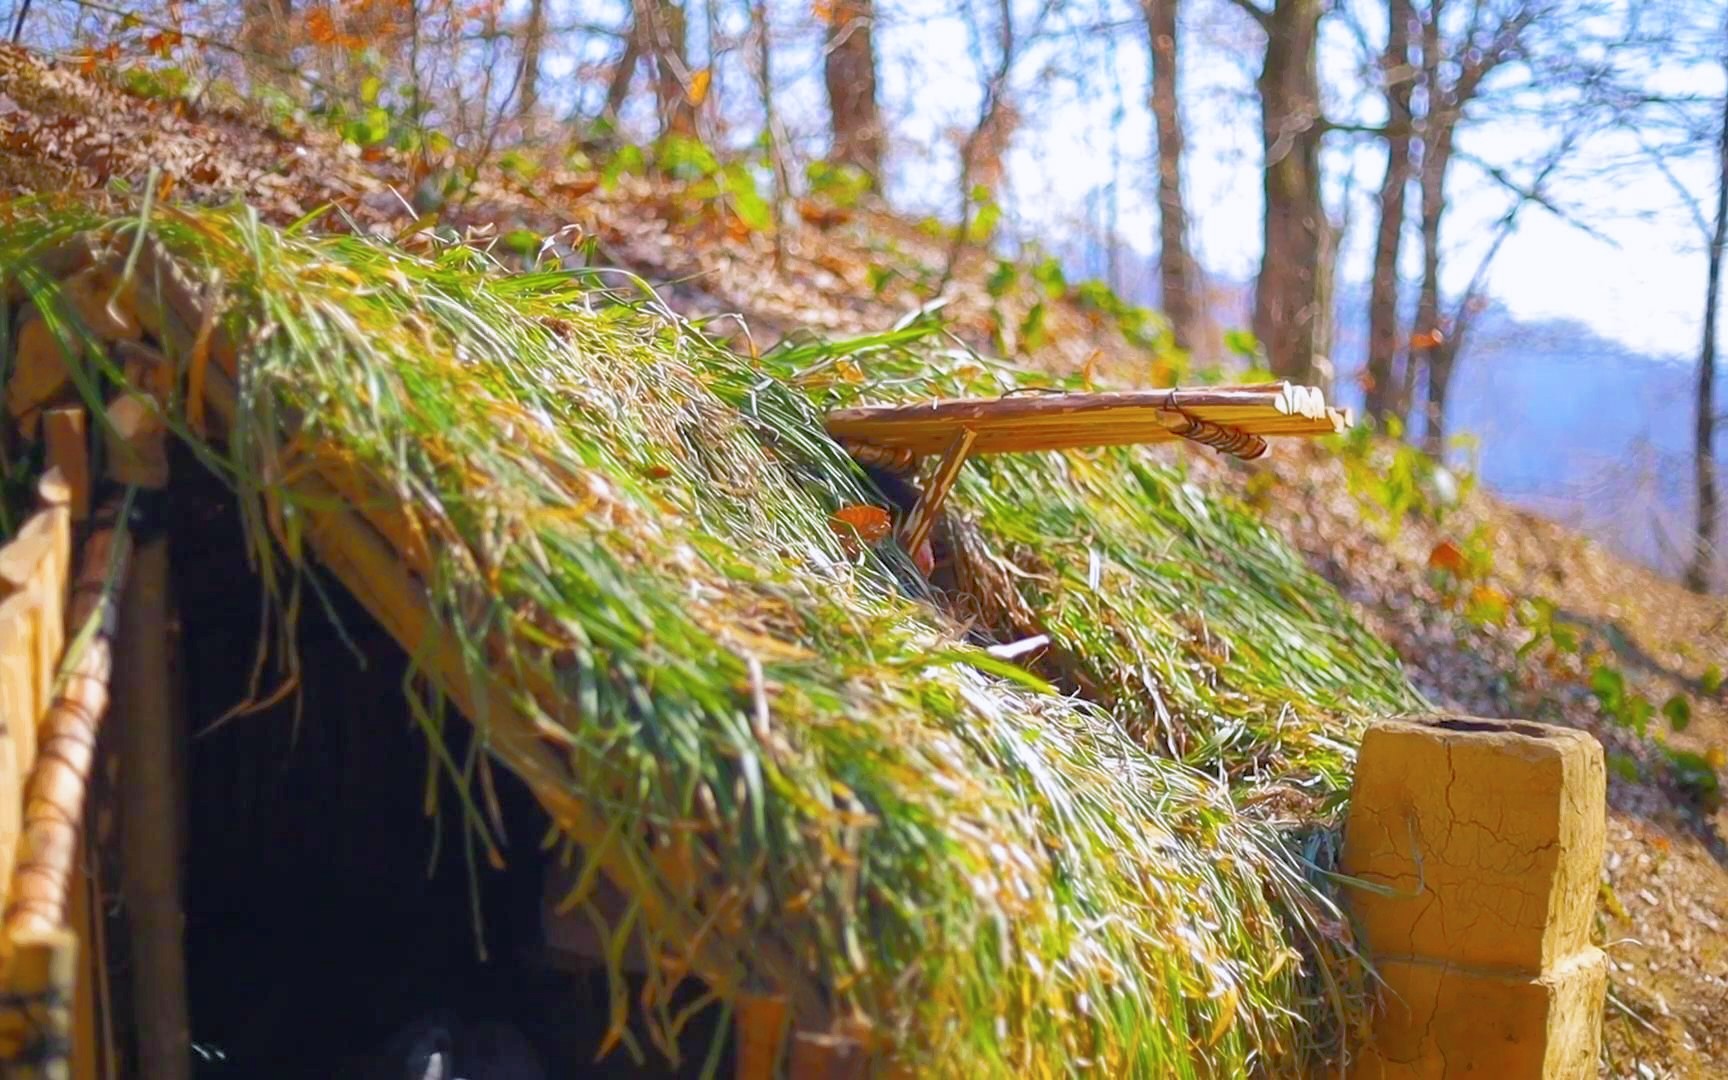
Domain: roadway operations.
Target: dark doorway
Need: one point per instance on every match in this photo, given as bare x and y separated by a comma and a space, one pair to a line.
325, 909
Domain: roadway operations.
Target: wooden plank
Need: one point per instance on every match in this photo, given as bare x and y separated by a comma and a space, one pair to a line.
1063, 421
16, 713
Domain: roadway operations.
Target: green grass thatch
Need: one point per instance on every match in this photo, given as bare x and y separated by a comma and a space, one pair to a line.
994, 877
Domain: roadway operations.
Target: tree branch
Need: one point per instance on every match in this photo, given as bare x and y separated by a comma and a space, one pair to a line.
1532, 193
1687, 199
1259, 14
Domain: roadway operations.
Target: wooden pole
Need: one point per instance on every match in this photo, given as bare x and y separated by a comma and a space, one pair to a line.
148, 745
149, 748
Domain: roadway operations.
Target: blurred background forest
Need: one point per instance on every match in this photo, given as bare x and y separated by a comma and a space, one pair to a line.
1494, 225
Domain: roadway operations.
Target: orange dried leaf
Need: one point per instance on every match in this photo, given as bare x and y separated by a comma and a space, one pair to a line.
699, 84
321, 27
871, 524
1448, 557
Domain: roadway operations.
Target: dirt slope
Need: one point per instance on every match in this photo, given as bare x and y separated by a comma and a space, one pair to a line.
1665, 898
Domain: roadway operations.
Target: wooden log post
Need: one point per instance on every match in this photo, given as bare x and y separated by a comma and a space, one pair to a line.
1486, 839
149, 746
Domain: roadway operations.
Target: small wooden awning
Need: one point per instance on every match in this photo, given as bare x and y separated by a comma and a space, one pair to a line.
1070, 421
1235, 420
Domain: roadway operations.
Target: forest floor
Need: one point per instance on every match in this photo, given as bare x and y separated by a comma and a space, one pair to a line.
1440, 582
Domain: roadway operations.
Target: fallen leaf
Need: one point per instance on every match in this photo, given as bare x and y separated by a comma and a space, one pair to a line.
1448, 557
871, 524
699, 83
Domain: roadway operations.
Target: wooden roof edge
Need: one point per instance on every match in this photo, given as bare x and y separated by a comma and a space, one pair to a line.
1282, 397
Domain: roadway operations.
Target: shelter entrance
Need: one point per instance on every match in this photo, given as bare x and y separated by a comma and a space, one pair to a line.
325, 910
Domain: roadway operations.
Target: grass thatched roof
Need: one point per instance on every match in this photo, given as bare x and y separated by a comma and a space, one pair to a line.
809, 779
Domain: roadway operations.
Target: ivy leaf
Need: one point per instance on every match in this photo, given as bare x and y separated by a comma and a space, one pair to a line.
1242, 343
1609, 686
1032, 328
1678, 710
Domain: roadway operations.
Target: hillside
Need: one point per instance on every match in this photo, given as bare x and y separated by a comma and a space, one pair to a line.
1492, 611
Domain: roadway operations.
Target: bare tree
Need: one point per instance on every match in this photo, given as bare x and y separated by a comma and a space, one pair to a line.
849, 74
533, 43
1400, 77
624, 71
663, 23
264, 34
1704, 429
1289, 303
1453, 69
985, 145
1175, 264
774, 137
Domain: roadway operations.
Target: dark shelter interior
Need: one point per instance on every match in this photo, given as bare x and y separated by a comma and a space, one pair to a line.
326, 912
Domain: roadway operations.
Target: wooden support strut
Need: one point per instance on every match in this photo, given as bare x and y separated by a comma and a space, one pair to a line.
918, 524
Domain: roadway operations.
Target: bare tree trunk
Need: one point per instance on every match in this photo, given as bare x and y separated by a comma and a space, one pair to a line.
1175, 265
1704, 431
1427, 353
981, 154
1287, 303
849, 73
533, 42
265, 38
773, 136
1326, 278
663, 21
618, 90
1383, 292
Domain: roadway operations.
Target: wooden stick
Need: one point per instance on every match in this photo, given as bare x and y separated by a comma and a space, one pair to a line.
92, 1043
923, 516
